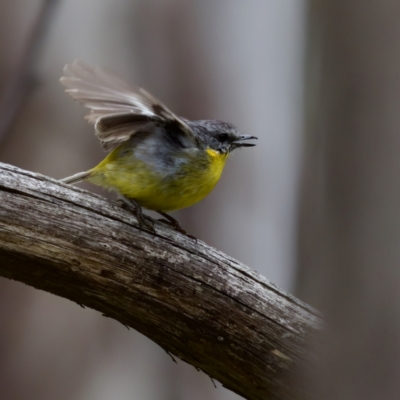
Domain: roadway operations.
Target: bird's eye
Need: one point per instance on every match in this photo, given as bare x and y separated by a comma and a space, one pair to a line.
223, 137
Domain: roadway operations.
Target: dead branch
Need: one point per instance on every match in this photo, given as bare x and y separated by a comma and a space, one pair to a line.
194, 301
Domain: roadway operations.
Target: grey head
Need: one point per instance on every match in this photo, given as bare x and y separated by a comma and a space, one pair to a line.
120, 111
221, 136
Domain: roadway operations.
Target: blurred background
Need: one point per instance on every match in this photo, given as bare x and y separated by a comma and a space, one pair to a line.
227, 59
314, 206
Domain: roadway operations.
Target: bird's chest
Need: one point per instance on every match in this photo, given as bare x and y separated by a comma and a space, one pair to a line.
192, 180
199, 175
164, 181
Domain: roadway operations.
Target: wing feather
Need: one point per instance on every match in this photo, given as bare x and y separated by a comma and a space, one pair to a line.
118, 110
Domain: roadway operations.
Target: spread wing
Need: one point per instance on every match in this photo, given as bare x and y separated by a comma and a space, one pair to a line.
119, 110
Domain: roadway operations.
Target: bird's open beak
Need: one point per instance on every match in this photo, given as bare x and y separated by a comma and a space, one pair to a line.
238, 143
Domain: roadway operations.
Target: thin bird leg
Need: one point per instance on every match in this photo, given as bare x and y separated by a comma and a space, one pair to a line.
172, 221
175, 224
135, 208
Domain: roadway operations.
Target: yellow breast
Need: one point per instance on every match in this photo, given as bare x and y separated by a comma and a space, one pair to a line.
199, 179
134, 179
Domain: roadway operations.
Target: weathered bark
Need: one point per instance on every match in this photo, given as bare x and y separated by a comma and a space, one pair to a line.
195, 302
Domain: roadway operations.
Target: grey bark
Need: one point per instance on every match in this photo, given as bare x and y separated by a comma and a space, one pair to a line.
197, 303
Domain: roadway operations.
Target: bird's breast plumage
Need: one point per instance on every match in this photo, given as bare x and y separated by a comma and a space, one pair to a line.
160, 179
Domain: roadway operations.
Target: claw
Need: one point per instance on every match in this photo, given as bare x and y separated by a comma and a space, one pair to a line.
175, 224
133, 206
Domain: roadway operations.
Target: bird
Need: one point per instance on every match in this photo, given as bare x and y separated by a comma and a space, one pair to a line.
156, 160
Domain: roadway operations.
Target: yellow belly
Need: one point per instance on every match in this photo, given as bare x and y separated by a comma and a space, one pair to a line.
154, 191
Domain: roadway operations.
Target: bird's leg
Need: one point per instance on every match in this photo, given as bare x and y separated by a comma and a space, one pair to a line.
134, 207
171, 221
174, 223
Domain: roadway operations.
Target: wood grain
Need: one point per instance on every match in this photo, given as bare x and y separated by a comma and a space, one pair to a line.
194, 301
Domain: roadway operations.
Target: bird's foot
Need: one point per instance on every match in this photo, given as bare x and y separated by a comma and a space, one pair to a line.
175, 224
131, 205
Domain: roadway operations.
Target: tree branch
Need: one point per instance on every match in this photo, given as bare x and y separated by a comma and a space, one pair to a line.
194, 301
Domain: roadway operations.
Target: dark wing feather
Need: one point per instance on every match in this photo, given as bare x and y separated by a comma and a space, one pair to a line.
118, 110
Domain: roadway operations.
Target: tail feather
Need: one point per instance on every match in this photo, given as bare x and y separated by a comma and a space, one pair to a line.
79, 177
